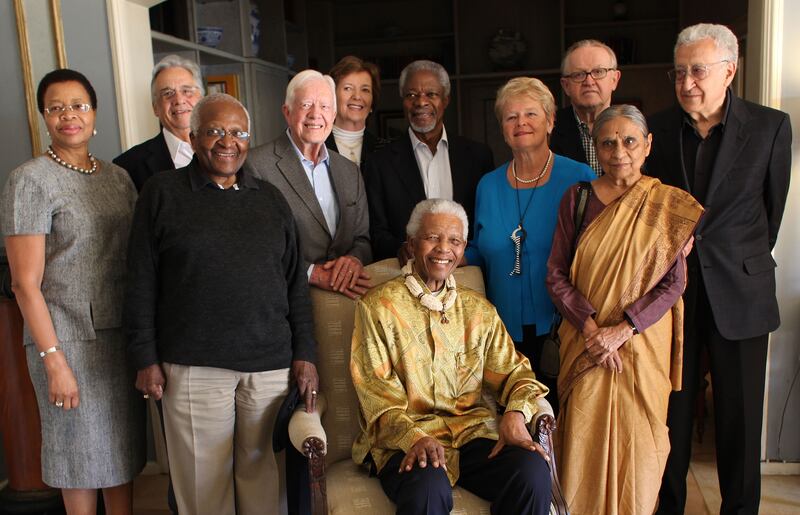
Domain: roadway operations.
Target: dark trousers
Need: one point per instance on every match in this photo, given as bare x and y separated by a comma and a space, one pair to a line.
515, 481
738, 370
531, 348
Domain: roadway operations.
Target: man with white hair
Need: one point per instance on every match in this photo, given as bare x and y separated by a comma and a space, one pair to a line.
175, 88
589, 76
424, 349
324, 190
427, 162
218, 316
734, 157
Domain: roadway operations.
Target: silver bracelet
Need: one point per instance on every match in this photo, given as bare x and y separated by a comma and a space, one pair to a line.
54, 348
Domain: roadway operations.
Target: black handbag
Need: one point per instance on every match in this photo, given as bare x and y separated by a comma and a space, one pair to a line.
550, 360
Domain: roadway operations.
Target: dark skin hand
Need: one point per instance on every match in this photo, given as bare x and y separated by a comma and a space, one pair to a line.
426, 450
151, 381
514, 432
304, 374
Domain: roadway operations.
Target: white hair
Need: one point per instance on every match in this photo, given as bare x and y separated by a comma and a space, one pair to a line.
304, 77
427, 66
436, 206
722, 36
214, 98
588, 43
175, 61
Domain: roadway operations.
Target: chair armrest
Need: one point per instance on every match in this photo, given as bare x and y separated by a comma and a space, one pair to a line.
543, 426
306, 432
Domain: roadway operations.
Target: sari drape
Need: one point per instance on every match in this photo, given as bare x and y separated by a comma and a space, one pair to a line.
612, 436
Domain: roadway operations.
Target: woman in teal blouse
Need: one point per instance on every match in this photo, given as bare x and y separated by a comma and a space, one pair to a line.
516, 210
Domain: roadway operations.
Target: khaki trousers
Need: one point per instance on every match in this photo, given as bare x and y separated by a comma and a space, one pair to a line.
218, 424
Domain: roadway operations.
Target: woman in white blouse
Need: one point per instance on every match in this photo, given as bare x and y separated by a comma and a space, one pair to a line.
357, 88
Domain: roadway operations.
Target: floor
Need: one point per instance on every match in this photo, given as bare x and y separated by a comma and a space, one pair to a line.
779, 494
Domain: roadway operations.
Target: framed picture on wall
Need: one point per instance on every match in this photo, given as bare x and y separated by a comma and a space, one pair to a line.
392, 124
223, 84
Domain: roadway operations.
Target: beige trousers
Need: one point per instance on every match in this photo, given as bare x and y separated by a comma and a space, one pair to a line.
218, 424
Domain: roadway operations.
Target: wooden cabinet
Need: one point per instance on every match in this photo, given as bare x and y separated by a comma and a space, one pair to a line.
459, 34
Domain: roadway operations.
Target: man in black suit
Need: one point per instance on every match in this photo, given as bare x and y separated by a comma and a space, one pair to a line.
589, 76
175, 88
425, 163
735, 158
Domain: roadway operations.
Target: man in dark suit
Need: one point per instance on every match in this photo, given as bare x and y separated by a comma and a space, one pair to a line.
175, 88
425, 163
734, 157
589, 76
324, 190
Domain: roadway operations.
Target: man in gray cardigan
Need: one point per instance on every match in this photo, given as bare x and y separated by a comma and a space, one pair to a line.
324, 190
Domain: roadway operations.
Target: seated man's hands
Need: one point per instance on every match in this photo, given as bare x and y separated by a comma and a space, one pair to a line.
344, 274
513, 431
304, 373
426, 449
151, 381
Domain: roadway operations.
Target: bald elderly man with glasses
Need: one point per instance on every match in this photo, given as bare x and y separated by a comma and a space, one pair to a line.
218, 316
589, 76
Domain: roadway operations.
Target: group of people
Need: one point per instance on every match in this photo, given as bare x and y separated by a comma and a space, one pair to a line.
642, 244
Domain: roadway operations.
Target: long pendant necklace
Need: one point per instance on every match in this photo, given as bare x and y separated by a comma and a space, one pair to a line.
518, 234
429, 300
87, 171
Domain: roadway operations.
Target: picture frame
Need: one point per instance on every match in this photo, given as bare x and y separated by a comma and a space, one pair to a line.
223, 84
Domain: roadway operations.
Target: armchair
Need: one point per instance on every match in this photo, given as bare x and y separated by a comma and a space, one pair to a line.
338, 485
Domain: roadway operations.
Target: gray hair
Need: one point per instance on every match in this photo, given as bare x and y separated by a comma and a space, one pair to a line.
304, 77
214, 98
630, 112
175, 61
723, 38
587, 43
435, 206
427, 66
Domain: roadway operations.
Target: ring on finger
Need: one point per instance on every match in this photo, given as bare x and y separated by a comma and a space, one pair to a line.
313, 393
59, 404
146, 396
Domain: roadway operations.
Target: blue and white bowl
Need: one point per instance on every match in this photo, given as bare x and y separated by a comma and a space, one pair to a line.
209, 36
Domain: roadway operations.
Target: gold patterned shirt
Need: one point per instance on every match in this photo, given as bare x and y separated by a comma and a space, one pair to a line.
416, 376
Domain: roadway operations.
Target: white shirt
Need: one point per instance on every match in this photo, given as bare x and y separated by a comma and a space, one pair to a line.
319, 177
434, 168
180, 152
349, 143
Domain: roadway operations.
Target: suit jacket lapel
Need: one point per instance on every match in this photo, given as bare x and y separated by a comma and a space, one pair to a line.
406, 168
734, 139
292, 170
159, 158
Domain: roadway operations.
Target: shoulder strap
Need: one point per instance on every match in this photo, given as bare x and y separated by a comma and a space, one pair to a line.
584, 190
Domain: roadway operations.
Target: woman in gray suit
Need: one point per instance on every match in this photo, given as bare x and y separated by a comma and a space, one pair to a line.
66, 216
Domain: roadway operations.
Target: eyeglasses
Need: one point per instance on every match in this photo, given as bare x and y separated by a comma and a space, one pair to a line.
186, 91
696, 71
221, 133
597, 74
57, 110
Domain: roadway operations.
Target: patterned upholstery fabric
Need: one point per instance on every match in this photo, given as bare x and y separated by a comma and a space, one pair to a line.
350, 489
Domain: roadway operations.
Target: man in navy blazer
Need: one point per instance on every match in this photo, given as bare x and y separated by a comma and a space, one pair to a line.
735, 158
175, 88
425, 163
589, 76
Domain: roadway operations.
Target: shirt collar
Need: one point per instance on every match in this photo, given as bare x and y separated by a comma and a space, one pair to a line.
580, 122
303, 159
175, 144
416, 142
198, 179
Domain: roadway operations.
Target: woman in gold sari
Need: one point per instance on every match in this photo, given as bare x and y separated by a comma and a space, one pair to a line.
619, 291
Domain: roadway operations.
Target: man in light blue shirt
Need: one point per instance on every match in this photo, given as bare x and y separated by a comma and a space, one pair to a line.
324, 190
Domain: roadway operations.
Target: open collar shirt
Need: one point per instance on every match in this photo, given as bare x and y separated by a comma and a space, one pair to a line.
434, 168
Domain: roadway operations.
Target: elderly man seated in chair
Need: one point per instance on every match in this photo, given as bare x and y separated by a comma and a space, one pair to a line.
423, 351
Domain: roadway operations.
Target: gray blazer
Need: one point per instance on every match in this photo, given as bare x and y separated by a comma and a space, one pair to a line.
277, 162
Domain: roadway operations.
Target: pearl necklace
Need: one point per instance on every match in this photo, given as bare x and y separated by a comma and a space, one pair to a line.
63, 163
429, 300
531, 181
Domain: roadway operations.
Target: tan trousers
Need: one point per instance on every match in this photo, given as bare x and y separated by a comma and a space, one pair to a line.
218, 424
